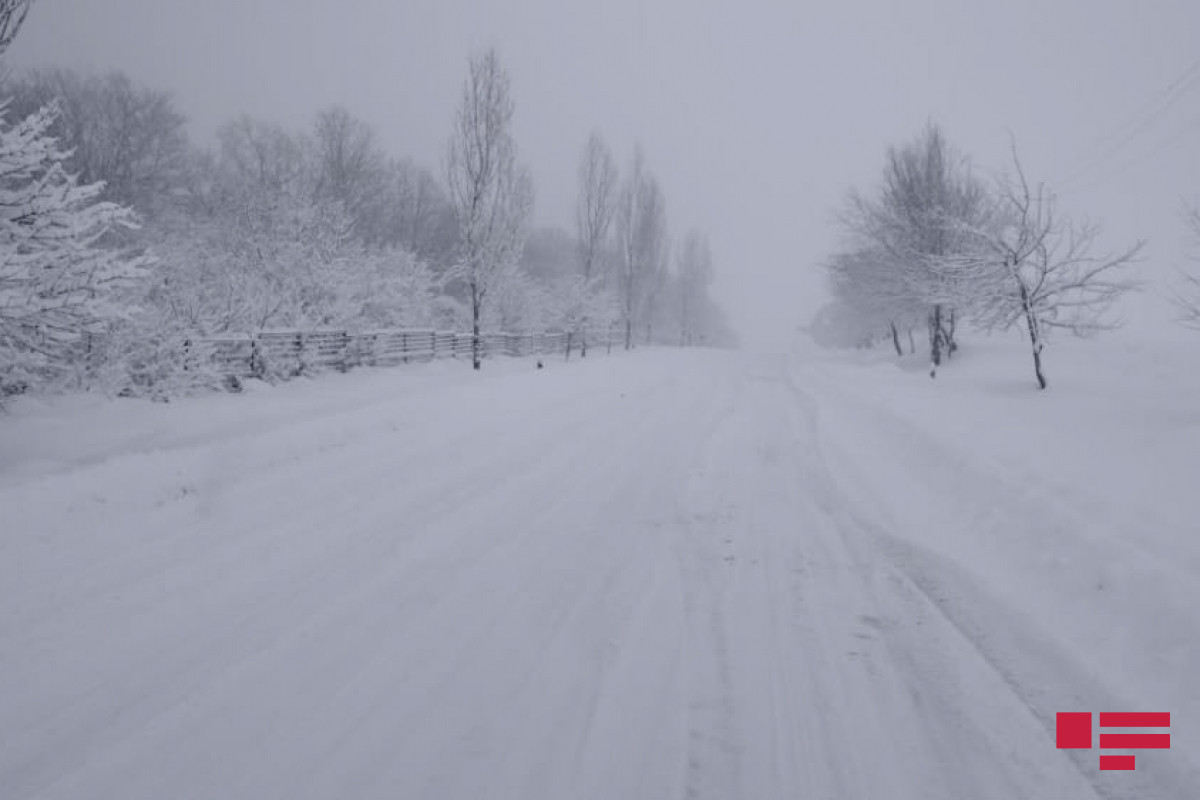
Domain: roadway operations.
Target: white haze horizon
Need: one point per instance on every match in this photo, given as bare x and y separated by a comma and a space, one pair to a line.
291, 513
757, 117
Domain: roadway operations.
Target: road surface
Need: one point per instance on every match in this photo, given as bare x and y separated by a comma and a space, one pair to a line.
640, 577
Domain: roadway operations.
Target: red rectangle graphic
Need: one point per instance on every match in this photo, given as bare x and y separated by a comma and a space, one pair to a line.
1135, 720
1073, 730
1157, 741
1116, 762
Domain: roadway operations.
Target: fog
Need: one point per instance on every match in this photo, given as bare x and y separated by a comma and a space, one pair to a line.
335, 462
757, 117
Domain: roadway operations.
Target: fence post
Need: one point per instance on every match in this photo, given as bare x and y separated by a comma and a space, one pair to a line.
256, 362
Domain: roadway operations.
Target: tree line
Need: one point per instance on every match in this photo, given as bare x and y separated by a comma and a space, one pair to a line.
935, 247
120, 238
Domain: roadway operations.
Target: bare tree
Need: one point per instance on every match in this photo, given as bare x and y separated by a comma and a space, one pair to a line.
256, 246
597, 202
263, 155
628, 212
549, 255
130, 137
657, 280
927, 200
350, 169
872, 297
1032, 266
593, 217
695, 275
419, 216
491, 194
12, 16
641, 235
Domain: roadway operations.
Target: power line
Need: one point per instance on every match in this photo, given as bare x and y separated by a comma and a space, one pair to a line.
1148, 106
1162, 147
1141, 120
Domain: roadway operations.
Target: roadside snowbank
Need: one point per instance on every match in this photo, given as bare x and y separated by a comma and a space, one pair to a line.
1074, 512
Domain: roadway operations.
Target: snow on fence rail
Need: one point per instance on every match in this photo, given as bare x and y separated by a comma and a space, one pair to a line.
290, 353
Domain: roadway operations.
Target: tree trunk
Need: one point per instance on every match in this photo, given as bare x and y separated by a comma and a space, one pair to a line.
948, 334
567, 356
912, 344
628, 333
1037, 365
896, 340
1035, 337
935, 340
476, 350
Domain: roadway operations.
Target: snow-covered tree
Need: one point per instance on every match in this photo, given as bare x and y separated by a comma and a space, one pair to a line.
548, 255
350, 170
57, 277
695, 265
418, 215
127, 136
521, 304
927, 199
388, 289
657, 289
491, 193
597, 203
641, 243
839, 324
1027, 265
869, 286
583, 308
253, 246
593, 218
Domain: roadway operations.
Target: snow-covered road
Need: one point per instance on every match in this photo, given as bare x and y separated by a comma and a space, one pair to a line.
670, 575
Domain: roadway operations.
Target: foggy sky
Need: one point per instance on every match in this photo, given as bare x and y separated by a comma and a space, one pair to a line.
756, 116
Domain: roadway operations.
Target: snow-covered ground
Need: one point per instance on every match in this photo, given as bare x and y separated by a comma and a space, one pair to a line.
668, 574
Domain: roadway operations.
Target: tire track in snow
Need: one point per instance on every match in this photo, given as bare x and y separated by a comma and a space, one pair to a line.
665, 595
711, 751
376, 571
1035, 670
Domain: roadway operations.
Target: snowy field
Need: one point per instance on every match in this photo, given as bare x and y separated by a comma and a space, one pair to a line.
671, 574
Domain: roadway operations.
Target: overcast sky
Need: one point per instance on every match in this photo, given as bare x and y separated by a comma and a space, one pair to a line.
756, 116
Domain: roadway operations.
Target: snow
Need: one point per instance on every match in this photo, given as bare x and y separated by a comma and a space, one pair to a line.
665, 574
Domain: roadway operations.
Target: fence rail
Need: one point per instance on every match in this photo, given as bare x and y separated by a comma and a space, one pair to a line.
291, 353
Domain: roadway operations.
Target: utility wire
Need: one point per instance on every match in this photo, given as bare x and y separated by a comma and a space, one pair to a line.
1163, 146
1140, 121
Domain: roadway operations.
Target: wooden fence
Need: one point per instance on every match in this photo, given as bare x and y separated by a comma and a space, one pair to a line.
289, 353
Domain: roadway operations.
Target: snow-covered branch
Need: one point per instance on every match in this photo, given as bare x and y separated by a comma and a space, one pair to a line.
57, 276
1029, 265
